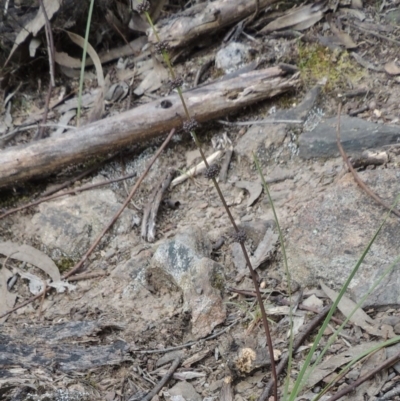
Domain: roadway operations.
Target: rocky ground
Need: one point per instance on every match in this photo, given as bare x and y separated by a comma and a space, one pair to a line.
110, 335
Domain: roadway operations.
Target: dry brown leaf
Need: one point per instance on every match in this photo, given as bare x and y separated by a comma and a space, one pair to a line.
137, 24
333, 363
36, 24
343, 37
96, 113
370, 388
28, 254
360, 15
66, 60
153, 80
302, 17
93, 55
346, 306
392, 67
266, 246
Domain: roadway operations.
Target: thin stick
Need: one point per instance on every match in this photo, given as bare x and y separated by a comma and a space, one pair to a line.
121, 209
148, 231
70, 192
163, 381
386, 364
189, 344
357, 178
260, 122
88, 276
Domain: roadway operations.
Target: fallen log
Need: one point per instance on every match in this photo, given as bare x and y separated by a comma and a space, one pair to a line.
204, 19
147, 121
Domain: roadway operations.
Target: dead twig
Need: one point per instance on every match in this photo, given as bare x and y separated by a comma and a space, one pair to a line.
150, 212
70, 192
121, 209
357, 178
67, 183
386, 364
369, 32
189, 344
163, 381
27, 302
260, 122
88, 276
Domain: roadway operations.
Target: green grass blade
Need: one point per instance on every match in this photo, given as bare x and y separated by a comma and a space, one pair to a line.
287, 272
301, 377
82, 76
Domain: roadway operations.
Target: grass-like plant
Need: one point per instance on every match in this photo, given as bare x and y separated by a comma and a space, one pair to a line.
83, 65
307, 369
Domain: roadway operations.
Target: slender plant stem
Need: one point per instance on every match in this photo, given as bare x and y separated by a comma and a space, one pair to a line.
81, 79
221, 196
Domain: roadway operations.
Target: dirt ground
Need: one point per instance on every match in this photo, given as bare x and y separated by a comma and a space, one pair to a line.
138, 305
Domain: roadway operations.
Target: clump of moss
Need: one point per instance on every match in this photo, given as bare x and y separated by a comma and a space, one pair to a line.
64, 264
218, 281
316, 62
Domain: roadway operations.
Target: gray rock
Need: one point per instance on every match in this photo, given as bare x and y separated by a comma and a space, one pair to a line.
231, 57
356, 135
184, 258
319, 247
302, 110
69, 225
258, 138
186, 390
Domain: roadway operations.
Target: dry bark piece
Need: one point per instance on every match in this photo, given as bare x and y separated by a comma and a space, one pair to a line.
369, 158
150, 212
226, 393
142, 123
64, 357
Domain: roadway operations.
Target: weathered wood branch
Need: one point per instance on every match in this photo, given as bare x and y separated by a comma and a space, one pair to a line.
142, 123
204, 19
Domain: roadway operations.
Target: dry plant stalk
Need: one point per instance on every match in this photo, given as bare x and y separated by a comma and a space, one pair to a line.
211, 173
